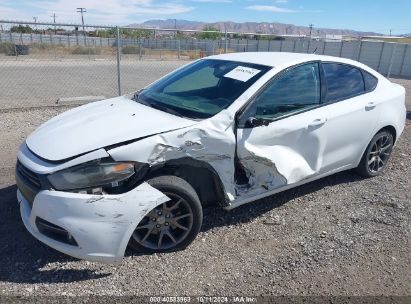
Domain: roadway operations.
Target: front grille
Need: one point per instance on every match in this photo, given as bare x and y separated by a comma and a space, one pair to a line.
55, 232
28, 182
30, 176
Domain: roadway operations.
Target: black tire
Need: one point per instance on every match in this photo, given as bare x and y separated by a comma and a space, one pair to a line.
183, 229
377, 154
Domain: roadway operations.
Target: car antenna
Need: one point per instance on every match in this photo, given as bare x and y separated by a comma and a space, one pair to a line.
314, 52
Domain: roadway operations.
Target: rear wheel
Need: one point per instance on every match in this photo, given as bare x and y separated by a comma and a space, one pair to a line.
172, 225
376, 155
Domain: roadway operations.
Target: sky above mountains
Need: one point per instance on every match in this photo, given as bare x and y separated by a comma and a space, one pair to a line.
365, 15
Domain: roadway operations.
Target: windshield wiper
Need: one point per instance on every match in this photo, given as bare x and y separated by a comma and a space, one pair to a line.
157, 106
165, 109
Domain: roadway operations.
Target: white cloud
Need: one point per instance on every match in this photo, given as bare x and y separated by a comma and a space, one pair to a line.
10, 13
270, 8
97, 11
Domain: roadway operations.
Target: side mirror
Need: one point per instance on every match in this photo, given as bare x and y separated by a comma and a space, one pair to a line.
253, 122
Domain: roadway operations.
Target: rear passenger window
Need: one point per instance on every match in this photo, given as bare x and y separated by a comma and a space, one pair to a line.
369, 81
343, 81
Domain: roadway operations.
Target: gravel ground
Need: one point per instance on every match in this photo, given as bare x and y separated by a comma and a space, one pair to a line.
342, 235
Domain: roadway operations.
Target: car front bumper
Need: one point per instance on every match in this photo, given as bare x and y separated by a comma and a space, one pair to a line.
101, 225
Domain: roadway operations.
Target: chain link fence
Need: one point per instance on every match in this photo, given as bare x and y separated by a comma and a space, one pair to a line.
42, 64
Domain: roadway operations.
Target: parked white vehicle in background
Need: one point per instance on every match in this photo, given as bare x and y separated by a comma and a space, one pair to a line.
227, 129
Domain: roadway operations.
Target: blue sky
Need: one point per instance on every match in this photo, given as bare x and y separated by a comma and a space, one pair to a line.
367, 15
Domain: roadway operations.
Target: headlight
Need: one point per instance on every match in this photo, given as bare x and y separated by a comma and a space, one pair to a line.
94, 174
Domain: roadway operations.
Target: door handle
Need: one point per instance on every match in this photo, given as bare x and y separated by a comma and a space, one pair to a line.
371, 105
318, 122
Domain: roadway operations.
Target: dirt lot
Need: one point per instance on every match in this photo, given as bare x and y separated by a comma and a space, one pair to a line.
342, 235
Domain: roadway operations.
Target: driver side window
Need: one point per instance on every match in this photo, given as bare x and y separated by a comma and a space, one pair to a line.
294, 90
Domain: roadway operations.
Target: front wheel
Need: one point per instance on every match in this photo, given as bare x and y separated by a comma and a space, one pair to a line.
376, 155
172, 225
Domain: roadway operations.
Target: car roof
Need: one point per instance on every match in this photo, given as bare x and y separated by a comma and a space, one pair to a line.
274, 59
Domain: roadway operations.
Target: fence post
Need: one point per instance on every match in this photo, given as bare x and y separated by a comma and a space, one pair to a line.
380, 57
341, 47
391, 60
85, 39
359, 51
403, 58
68, 40
178, 49
118, 59
225, 42
140, 51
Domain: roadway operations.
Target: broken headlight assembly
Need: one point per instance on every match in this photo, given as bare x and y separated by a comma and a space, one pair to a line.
94, 177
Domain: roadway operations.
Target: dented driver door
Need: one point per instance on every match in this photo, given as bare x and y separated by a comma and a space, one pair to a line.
281, 133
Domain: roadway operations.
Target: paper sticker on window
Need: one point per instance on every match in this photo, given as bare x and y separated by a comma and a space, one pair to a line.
242, 73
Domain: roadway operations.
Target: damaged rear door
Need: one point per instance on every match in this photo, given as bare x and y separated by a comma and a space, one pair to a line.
280, 134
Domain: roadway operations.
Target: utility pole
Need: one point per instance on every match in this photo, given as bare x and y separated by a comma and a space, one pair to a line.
54, 21
82, 10
390, 32
311, 29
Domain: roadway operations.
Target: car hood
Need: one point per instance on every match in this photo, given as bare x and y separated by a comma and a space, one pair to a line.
100, 124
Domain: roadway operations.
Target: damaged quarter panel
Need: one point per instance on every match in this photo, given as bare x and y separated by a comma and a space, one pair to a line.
211, 141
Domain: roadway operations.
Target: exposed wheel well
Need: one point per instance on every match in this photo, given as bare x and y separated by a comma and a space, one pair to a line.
390, 129
200, 175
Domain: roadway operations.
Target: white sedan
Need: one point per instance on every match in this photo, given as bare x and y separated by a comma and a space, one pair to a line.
226, 130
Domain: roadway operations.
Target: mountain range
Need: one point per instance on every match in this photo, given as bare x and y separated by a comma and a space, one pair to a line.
274, 28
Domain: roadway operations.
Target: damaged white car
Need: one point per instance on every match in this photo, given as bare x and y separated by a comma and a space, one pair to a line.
227, 130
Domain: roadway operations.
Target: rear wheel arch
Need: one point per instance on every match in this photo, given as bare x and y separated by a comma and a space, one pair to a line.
391, 129
199, 174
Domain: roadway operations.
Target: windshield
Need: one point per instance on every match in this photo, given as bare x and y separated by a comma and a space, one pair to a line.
203, 88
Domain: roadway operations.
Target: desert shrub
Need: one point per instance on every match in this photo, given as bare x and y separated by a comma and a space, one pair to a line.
132, 49
82, 50
6, 47
42, 46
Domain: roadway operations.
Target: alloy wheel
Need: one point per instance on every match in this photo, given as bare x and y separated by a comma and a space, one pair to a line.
379, 153
166, 226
